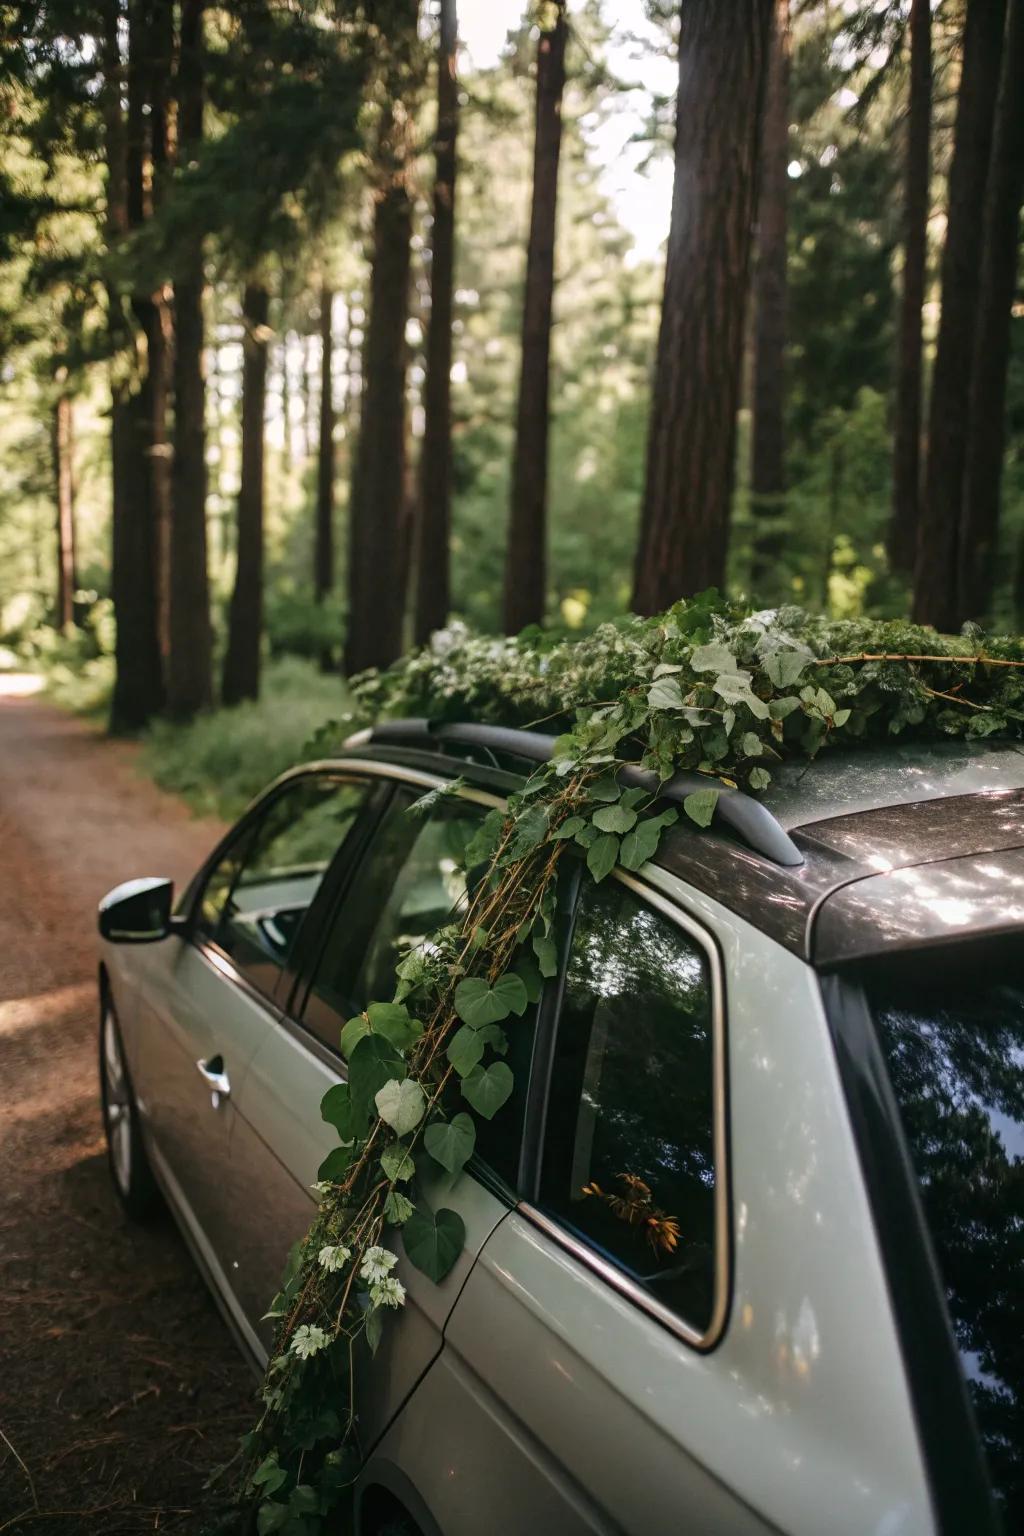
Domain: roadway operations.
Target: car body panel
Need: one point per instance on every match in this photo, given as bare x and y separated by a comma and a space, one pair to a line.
278, 1142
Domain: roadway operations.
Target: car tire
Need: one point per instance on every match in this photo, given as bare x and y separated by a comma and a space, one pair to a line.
130, 1171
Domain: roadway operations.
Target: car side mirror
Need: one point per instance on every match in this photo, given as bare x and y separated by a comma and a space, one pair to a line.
137, 912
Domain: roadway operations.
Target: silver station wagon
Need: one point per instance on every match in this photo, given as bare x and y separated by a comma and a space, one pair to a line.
744, 1251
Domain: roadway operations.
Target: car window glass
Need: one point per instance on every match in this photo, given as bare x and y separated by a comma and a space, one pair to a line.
256, 897
409, 883
952, 1031
628, 1160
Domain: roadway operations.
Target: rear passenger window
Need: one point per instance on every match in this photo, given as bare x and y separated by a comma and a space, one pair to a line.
628, 1163
410, 882
257, 895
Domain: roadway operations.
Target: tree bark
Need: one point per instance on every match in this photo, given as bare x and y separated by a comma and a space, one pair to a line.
906, 466
138, 682
684, 532
433, 585
526, 556
987, 434
245, 622
938, 553
768, 444
190, 662
64, 485
323, 544
376, 594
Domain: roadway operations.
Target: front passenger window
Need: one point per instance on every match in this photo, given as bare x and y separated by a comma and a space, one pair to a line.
257, 896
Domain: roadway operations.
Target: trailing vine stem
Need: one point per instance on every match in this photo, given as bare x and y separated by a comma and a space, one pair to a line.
708, 687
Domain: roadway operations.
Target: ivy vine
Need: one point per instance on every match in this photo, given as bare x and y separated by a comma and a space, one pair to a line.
709, 687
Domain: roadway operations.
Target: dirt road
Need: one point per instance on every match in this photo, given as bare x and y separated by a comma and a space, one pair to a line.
120, 1389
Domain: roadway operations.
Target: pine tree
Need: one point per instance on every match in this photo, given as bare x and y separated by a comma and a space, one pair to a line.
768, 446
909, 374
190, 659
526, 557
684, 534
323, 541
434, 521
987, 436
938, 553
376, 594
245, 621
64, 489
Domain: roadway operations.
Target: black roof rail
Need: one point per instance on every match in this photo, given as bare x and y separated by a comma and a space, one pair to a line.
750, 819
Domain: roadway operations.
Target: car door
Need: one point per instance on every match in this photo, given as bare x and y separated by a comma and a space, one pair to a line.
592, 1300
209, 1002
408, 881
747, 1378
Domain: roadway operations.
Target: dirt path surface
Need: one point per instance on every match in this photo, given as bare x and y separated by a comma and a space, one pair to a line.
120, 1389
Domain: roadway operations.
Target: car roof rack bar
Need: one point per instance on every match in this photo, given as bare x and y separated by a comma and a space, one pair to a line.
748, 818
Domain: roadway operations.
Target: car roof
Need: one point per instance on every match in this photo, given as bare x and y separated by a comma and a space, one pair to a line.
856, 853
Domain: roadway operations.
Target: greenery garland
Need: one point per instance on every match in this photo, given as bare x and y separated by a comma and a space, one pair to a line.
708, 686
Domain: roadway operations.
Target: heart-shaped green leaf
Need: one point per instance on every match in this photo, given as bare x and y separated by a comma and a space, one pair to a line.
478, 1002
337, 1109
602, 855
465, 1049
395, 1023
665, 694
569, 827
433, 1240
397, 1208
396, 1162
546, 952
641, 844
531, 976
336, 1164
401, 1105
374, 1062
451, 1142
700, 806
352, 1033
487, 1088
615, 818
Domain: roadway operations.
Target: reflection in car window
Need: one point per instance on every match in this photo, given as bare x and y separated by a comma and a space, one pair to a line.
629, 1152
257, 896
411, 883
953, 1035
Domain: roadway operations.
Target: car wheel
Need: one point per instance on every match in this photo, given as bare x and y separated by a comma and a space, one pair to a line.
129, 1166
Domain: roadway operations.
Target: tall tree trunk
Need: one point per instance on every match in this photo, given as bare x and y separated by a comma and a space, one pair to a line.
64, 485
768, 446
190, 662
376, 595
323, 544
433, 587
160, 330
526, 556
906, 466
684, 531
935, 572
286, 407
138, 683
245, 622
984, 467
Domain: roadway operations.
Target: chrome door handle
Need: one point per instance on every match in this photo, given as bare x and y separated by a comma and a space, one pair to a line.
216, 1079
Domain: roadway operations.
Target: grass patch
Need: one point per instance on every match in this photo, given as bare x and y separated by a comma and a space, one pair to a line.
221, 760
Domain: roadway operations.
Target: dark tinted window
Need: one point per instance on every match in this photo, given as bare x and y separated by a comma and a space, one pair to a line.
410, 882
629, 1153
952, 1030
257, 895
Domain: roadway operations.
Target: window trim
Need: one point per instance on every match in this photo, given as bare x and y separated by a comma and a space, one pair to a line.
617, 1278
